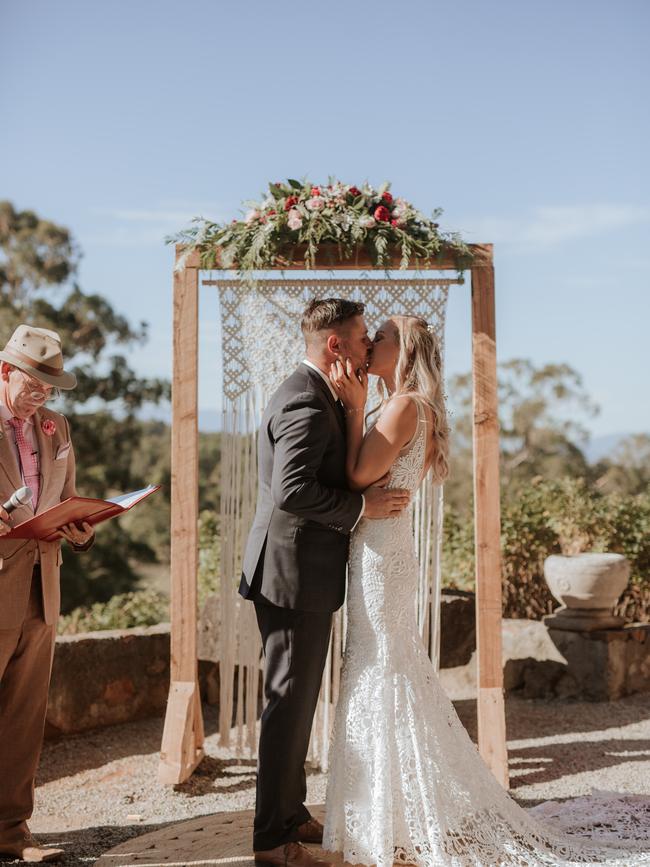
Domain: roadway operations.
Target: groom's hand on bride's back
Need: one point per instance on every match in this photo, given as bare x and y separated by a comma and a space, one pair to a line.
383, 502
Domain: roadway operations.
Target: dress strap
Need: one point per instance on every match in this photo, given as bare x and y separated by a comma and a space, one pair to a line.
420, 420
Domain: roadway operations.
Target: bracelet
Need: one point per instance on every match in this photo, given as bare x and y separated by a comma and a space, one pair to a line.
355, 410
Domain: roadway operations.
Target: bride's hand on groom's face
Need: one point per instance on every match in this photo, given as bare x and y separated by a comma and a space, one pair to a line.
351, 385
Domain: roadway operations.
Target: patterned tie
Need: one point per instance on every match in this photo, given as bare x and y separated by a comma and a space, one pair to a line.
28, 459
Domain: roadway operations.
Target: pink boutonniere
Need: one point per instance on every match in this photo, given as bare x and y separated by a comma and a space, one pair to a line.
48, 426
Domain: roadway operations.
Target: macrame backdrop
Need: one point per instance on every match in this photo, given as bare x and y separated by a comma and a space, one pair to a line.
262, 344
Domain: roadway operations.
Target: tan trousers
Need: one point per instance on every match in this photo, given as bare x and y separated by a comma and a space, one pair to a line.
25, 667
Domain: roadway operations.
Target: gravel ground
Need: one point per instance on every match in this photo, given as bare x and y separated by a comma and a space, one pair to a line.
96, 790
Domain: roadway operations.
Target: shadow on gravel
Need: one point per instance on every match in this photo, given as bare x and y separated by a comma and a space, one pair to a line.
68, 755
536, 718
542, 764
232, 775
85, 846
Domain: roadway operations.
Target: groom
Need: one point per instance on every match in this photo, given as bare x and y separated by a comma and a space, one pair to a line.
295, 566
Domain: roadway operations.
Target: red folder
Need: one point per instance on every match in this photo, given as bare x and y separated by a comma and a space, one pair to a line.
45, 525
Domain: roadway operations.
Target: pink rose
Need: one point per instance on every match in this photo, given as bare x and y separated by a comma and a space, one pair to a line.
48, 426
294, 220
315, 204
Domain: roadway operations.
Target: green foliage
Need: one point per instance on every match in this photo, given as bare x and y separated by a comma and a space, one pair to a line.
124, 611
38, 268
209, 555
549, 517
298, 214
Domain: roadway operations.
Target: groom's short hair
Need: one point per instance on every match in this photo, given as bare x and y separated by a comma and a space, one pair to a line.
325, 313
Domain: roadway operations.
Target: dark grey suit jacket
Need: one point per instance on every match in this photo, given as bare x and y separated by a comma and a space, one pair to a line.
297, 549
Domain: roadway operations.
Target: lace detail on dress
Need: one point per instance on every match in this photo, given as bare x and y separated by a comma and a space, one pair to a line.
406, 782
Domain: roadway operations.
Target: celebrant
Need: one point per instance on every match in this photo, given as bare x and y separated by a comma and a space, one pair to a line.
35, 451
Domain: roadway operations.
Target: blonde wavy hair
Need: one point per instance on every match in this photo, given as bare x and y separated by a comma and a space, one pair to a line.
419, 372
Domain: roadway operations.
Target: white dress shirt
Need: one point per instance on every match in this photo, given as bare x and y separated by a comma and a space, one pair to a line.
336, 400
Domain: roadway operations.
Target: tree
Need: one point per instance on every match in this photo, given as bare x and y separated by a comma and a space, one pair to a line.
540, 413
38, 284
627, 471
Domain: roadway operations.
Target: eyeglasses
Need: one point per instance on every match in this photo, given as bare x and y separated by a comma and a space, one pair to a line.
39, 393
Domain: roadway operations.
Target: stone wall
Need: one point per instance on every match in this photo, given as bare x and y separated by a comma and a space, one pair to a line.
108, 677
112, 676
539, 662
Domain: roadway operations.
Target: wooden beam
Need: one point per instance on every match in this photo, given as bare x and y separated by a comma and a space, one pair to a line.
487, 520
183, 734
327, 260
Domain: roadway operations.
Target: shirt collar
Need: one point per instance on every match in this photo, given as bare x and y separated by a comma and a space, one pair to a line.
6, 416
325, 378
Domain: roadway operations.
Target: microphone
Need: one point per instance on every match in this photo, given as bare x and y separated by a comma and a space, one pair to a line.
21, 497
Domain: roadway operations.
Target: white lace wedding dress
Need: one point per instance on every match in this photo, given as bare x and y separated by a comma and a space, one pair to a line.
406, 783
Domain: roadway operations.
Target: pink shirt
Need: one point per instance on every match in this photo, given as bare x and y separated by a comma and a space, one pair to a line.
28, 431
30, 436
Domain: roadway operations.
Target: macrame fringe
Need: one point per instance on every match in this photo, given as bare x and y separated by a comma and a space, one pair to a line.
261, 346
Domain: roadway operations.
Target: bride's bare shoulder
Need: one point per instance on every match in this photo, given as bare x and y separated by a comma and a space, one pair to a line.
398, 417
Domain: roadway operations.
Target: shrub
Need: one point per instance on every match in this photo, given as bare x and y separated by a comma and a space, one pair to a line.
550, 517
140, 608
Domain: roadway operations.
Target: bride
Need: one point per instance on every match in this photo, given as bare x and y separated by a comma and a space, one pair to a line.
406, 783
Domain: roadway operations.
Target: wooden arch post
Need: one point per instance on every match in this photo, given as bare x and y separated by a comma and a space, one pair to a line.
182, 745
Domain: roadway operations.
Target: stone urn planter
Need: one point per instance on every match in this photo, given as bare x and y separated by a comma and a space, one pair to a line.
587, 586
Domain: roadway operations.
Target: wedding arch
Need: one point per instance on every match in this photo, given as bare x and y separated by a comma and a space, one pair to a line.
276, 302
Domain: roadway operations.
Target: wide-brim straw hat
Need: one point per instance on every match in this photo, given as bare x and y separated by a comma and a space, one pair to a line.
37, 351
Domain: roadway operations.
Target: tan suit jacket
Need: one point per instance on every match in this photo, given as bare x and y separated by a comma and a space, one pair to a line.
17, 555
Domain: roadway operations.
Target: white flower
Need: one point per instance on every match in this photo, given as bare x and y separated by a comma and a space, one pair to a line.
294, 220
367, 222
315, 204
251, 216
268, 202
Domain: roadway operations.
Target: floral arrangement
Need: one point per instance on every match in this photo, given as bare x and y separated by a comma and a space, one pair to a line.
296, 218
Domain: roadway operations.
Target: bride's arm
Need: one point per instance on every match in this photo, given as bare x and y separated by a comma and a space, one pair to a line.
369, 458
376, 452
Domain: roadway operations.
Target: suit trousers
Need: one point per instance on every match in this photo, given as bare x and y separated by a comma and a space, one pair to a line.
26, 654
295, 649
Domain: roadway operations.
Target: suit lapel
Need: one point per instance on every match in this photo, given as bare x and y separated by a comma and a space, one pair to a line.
8, 461
320, 383
45, 457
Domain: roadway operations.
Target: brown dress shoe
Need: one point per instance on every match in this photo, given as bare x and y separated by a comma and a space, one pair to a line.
290, 855
311, 831
29, 849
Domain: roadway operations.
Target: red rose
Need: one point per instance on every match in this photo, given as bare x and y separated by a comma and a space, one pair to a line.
354, 191
271, 212
315, 191
382, 214
278, 185
393, 222
290, 202
387, 197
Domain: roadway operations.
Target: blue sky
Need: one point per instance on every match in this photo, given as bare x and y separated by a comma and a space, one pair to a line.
527, 122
